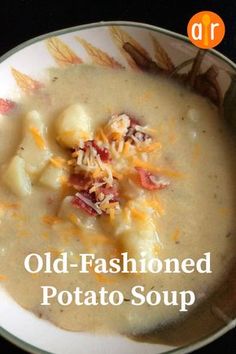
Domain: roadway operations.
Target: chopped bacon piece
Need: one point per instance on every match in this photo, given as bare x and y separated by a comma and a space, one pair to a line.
102, 151
80, 182
6, 106
134, 122
110, 190
78, 203
132, 131
150, 181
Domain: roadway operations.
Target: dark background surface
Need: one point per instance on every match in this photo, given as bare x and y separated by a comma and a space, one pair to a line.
21, 20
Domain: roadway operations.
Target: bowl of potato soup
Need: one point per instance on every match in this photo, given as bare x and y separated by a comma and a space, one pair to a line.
117, 192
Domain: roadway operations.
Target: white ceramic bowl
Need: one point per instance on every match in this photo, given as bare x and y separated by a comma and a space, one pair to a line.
23, 68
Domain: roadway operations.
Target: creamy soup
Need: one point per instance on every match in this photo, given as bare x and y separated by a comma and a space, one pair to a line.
106, 161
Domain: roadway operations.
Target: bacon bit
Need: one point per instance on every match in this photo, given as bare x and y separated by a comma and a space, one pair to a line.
151, 182
6, 106
133, 122
102, 152
38, 138
79, 203
109, 190
134, 132
80, 181
51, 219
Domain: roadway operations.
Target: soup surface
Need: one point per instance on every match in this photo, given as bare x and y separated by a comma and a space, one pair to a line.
106, 161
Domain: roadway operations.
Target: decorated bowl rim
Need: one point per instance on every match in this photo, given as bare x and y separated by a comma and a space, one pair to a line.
186, 348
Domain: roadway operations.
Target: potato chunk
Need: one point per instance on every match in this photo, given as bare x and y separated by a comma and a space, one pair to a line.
75, 215
52, 176
137, 231
140, 240
73, 124
33, 148
16, 177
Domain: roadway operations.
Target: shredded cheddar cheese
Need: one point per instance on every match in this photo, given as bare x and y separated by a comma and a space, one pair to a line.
9, 205
74, 219
98, 173
39, 140
117, 175
58, 161
156, 249
84, 135
68, 133
126, 148
148, 148
3, 277
137, 214
64, 181
146, 165
112, 214
127, 214
55, 252
51, 219
163, 170
103, 136
101, 278
155, 204
176, 235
